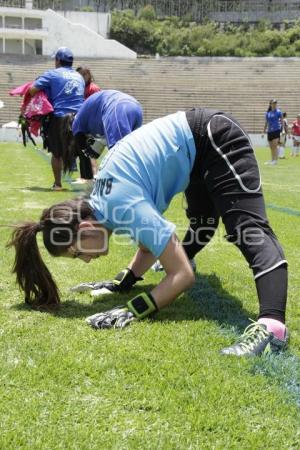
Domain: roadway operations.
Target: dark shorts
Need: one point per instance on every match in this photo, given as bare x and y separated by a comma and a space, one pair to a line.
273, 135
55, 140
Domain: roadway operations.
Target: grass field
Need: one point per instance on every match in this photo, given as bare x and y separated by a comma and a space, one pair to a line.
159, 384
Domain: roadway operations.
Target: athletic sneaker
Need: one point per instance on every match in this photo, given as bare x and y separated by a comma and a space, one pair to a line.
256, 340
157, 267
80, 181
271, 163
55, 187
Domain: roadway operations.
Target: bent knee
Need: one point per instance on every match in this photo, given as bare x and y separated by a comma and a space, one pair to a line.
189, 278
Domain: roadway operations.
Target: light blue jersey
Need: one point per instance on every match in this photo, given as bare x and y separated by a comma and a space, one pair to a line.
139, 177
64, 88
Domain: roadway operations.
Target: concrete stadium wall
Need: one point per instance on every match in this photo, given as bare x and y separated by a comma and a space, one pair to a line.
83, 41
98, 22
85, 33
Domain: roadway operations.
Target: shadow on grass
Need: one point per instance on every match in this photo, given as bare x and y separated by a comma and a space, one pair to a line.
205, 300
41, 189
208, 300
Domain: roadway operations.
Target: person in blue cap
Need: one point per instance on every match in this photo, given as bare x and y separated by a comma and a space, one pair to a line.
204, 153
64, 87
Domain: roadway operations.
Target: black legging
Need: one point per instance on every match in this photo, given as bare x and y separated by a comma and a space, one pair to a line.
225, 182
85, 167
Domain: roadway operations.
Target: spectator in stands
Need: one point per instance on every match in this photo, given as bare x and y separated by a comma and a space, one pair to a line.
65, 90
25, 130
283, 136
273, 124
108, 116
90, 86
203, 152
296, 136
88, 166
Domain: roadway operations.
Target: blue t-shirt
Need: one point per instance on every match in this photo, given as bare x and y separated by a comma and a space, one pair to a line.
64, 88
272, 118
139, 177
108, 113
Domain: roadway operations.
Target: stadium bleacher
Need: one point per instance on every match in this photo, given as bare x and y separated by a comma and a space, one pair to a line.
241, 87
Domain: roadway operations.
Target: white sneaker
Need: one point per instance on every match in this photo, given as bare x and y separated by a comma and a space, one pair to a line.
80, 181
157, 267
271, 163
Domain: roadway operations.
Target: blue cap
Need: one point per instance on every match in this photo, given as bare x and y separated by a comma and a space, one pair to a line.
63, 54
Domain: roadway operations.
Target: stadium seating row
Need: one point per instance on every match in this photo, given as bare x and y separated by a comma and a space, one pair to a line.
241, 87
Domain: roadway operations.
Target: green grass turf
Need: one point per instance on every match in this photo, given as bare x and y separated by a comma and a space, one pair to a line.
160, 384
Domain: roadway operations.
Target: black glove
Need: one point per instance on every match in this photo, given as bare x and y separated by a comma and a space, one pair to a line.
118, 317
84, 144
88, 152
122, 282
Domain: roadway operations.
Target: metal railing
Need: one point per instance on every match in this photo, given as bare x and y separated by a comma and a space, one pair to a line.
197, 10
25, 28
13, 3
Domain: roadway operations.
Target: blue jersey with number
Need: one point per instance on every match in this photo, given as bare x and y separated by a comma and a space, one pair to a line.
108, 113
273, 120
139, 177
64, 88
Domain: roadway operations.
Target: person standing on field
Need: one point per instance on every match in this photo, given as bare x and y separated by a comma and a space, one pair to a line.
90, 86
296, 136
273, 124
65, 90
88, 166
283, 136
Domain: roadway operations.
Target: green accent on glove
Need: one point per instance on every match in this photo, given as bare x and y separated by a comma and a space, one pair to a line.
142, 305
125, 280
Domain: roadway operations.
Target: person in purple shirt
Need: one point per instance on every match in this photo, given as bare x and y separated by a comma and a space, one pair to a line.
273, 124
103, 120
65, 90
110, 114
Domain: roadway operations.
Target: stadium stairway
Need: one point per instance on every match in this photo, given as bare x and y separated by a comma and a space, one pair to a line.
242, 87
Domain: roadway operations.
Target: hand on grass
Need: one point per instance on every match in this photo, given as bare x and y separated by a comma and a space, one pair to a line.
106, 287
118, 317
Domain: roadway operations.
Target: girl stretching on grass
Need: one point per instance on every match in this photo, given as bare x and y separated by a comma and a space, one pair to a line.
208, 155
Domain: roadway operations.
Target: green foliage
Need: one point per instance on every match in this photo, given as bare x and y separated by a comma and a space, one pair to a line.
87, 9
147, 13
174, 36
162, 383
136, 34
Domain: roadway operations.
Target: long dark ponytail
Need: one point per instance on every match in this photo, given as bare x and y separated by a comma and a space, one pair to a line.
70, 148
59, 225
31, 272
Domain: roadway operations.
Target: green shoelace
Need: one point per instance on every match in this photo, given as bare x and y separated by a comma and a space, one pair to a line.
252, 335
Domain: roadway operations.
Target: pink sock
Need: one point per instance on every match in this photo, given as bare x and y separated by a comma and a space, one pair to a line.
274, 326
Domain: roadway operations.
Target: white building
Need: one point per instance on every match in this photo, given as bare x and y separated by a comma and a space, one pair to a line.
35, 32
